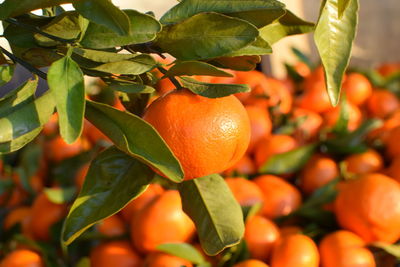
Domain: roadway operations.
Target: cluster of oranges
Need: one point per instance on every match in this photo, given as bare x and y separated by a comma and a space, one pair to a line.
337, 209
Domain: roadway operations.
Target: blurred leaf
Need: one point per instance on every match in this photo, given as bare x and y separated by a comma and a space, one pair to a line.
113, 180
83, 262
392, 249
29, 163
195, 68
334, 39
19, 142
215, 212
213, 90
303, 58
136, 137
341, 126
257, 12
6, 73
103, 12
293, 74
235, 254
60, 195
206, 35
143, 28
288, 24
64, 26
182, 250
243, 63
5, 185
249, 211
69, 95
342, 5
12, 8
258, 47
288, 162
130, 87
323, 195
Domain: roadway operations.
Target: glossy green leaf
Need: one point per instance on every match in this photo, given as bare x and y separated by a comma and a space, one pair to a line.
206, 35
182, 250
257, 12
12, 99
342, 5
136, 137
6, 73
243, 63
218, 217
103, 12
341, 126
65, 79
113, 180
258, 47
130, 87
143, 28
288, 162
11, 8
60, 195
64, 26
134, 66
288, 24
213, 90
103, 56
334, 39
195, 68
19, 142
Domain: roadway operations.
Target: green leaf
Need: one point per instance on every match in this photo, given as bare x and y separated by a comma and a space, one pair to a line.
6, 73
195, 68
137, 65
143, 28
130, 87
182, 250
258, 47
103, 56
341, 126
19, 142
243, 63
342, 5
12, 8
334, 39
64, 26
113, 180
206, 35
218, 217
103, 12
213, 90
257, 12
136, 137
65, 79
17, 96
288, 24
288, 162
303, 58
392, 249
60, 195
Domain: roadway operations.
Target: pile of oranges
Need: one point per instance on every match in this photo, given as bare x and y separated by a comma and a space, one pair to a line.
340, 207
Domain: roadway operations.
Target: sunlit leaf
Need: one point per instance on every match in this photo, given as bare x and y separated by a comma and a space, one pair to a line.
213, 90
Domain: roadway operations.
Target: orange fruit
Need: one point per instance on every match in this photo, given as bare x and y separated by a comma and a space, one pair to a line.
256, 80
366, 162
345, 249
370, 207
302, 69
394, 169
159, 259
13, 197
251, 263
389, 68
81, 175
318, 171
246, 192
295, 250
245, 166
260, 123
290, 230
357, 88
332, 116
310, 125
44, 214
392, 143
206, 135
383, 132
114, 253
161, 221
22, 258
17, 215
260, 235
382, 103
57, 150
136, 205
112, 226
280, 197
93, 134
51, 127
269, 146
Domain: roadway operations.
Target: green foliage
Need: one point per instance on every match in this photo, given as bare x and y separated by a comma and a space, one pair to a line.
195, 68
213, 90
184, 251
6, 73
60, 195
242, 63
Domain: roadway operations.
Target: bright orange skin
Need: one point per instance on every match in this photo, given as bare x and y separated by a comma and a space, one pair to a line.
93, 134
275, 144
206, 135
290, 230
302, 69
387, 69
246, 192
318, 171
370, 207
251, 263
382, 103
314, 97
295, 250
162, 221
345, 249
256, 80
81, 175
245, 166
280, 197
357, 88
17, 215
51, 127
394, 169
383, 132
22, 258
136, 205
260, 235
392, 143
57, 150
366, 162
113, 226
115, 253
44, 214
261, 124
332, 116
159, 259
309, 127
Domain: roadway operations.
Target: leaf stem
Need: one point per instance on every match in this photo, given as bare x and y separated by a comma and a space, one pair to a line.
25, 64
172, 79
